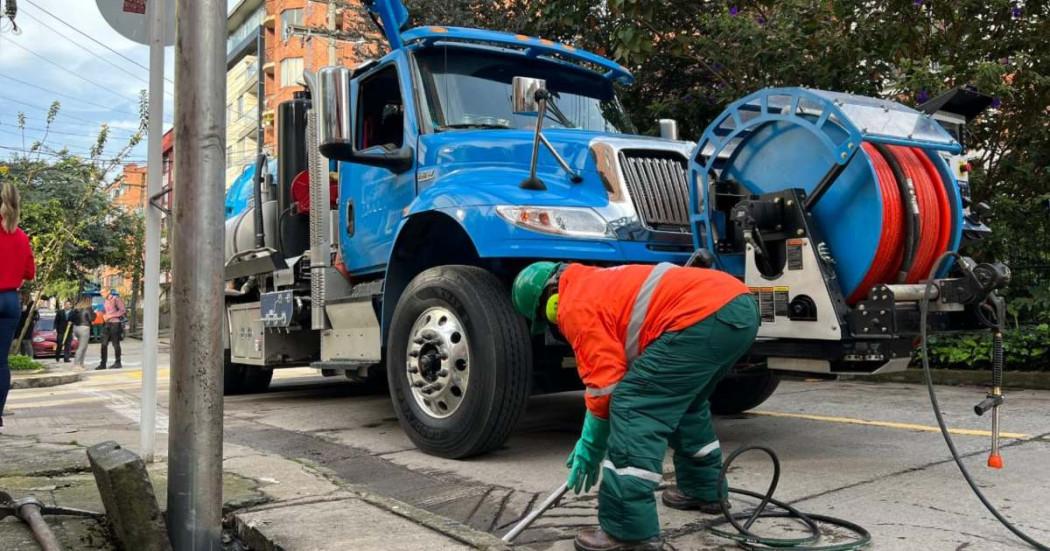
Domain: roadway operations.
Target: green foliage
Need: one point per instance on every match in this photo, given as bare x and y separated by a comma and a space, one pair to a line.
1026, 349
67, 209
18, 362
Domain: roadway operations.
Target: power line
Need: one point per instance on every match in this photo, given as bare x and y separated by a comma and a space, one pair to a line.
20, 102
95, 54
84, 134
91, 38
68, 71
67, 155
67, 126
57, 93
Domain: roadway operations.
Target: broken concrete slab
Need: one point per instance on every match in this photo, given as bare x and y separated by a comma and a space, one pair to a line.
336, 523
127, 493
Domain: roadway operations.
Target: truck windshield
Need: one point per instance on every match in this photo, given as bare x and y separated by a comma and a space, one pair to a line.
468, 88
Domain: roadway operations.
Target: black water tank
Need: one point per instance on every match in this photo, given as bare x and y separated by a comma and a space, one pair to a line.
294, 228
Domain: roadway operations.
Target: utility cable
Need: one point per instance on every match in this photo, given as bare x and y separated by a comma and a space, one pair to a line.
94, 124
924, 308
92, 53
91, 38
71, 72
57, 93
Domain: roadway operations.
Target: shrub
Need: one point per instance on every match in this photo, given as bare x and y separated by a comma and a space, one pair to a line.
19, 362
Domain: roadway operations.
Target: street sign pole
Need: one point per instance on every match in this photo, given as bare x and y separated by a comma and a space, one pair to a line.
195, 434
151, 296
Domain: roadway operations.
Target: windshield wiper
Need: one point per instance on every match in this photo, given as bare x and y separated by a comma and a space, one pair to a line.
462, 125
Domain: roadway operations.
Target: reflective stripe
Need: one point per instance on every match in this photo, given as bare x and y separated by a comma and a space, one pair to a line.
641, 308
600, 391
706, 450
634, 471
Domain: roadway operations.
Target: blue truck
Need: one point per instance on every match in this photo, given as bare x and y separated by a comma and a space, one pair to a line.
411, 189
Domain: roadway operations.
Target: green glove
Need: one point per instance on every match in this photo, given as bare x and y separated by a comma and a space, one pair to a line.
585, 461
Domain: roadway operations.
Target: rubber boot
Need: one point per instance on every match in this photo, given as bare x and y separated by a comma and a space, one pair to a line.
595, 539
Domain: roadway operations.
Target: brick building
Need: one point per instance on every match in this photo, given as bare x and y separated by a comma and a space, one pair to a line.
297, 35
129, 195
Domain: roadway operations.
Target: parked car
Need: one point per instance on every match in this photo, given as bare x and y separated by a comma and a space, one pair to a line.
45, 337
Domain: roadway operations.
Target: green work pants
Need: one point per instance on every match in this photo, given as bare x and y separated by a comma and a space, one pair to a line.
663, 400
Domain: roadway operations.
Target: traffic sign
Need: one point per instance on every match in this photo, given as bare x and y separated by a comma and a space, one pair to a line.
129, 18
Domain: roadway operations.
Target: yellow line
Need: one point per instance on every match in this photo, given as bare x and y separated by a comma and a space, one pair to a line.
889, 424
52, 403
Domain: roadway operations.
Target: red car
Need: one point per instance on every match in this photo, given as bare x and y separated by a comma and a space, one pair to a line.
45, 338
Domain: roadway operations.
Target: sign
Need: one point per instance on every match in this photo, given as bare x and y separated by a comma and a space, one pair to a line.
135, 6
130, 18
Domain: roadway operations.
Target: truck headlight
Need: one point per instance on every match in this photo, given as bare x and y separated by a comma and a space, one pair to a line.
38, 339
567, 221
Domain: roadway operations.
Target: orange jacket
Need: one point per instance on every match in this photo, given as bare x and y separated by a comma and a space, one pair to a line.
595, 307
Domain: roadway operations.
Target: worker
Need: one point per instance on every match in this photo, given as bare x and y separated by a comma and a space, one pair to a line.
651, 344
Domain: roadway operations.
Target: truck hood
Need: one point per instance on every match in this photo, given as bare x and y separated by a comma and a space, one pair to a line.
486, 167
500, 161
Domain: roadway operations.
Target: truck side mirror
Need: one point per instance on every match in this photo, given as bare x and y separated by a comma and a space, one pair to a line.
335, 118
526, 100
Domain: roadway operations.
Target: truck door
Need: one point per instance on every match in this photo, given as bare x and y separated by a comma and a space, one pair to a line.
372, 198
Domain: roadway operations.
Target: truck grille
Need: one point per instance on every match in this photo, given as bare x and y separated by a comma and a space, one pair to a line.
657, 183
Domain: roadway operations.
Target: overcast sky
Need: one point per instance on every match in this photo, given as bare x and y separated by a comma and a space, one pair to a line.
64, 63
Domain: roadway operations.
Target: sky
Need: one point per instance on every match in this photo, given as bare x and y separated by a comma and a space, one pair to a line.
95, 86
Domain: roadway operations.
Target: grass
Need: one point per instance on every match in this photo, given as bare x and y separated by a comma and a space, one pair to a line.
19, 362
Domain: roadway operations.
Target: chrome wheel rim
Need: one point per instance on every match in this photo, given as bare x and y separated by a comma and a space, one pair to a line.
438, 362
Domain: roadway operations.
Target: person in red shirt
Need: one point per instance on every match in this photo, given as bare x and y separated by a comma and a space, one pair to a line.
17, 266
651, 344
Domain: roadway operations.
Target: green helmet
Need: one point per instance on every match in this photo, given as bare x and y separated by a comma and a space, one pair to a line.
528, 289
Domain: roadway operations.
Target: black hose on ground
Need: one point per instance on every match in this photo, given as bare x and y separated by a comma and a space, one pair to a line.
924, 307
747, 539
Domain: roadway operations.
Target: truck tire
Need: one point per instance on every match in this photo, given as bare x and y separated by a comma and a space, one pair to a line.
243, 379
741, 391
459, 362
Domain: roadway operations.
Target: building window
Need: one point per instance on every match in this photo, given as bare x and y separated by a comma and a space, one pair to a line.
290, 17
291, 71
240, 106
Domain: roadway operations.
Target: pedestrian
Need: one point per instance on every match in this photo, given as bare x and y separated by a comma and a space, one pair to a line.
17, 267
651, 344
64, 332
83, 315
113, 328
25, 341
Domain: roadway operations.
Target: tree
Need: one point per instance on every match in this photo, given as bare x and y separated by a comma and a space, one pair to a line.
66, 209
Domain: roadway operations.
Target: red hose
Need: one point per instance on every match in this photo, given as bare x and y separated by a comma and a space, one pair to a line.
888, 255
935, 218
942, 200
929, 212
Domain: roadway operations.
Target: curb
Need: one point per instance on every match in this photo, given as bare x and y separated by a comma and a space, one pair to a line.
45, 380
958, 377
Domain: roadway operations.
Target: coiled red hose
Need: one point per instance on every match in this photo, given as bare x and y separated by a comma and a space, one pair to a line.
934, 217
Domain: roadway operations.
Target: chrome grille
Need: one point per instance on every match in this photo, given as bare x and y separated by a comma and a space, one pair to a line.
656, 181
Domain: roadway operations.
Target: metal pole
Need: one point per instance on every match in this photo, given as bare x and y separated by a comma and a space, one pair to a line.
195, 434
151, 285
260, 60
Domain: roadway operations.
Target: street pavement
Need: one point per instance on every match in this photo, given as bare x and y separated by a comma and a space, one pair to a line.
866, 452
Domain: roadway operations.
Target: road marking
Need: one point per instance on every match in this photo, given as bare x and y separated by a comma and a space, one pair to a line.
51, 403
890, 424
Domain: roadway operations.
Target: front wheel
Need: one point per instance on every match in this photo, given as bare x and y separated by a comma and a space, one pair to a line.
459, 362
243, 379
743, 390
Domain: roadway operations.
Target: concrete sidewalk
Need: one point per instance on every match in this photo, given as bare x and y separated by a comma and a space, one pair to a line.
293, 507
